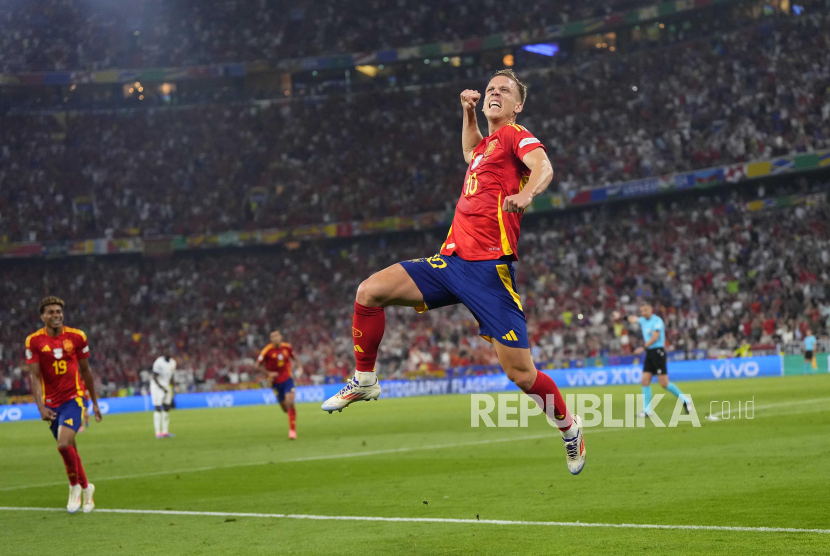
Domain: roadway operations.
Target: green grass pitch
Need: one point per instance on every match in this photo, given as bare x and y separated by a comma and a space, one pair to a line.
770, 471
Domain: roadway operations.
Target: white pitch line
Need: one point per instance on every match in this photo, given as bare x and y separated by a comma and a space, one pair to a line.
780, 404
441, 520
307, 458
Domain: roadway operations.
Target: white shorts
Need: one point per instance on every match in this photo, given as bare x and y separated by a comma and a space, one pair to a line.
159, 396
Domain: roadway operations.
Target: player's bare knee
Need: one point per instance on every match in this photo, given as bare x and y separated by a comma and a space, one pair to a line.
64, 444
523, 378
370, 293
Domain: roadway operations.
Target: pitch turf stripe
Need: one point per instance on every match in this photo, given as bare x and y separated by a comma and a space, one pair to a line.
312, 458
441, 520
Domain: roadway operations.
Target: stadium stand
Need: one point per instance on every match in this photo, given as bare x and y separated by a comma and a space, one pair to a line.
721, 272
45, 35
194, 170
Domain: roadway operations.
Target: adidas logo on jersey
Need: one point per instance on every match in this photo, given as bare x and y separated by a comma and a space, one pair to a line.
46, 348
510, 337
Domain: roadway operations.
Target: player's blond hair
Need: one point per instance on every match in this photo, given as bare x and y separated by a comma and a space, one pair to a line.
51, 300
510, 74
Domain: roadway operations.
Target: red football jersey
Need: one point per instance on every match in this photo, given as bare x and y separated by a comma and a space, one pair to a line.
480, 229
58, 359
277, 359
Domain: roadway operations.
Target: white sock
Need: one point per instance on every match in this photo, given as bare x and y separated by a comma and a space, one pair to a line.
366, 379
157, 421
571, 432
165, 422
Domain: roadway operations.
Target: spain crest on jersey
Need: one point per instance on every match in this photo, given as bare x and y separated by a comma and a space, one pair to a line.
491, 147
68, 346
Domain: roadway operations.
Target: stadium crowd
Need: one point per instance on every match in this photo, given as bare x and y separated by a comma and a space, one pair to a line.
751, 94
719, 274
48, 35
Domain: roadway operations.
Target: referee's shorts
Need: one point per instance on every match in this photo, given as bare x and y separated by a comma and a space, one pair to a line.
655, 362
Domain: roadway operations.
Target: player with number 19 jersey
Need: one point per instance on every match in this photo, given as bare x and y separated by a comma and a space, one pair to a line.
58, 360
481, 230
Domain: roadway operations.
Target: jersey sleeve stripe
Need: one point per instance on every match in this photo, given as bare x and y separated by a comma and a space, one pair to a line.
77, 331
448, 237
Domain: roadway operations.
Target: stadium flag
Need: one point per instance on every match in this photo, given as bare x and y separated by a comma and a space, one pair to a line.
158, 247
705, 178
781, 165
580, 197
757, 169
735, 173
806, 161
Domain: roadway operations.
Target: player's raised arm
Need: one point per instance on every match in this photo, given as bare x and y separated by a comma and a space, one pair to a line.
89, 380
541, 174
470, 134
37, 392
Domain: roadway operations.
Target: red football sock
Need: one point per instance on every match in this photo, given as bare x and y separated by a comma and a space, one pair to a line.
367, 332
70, 461
80, 469
552, 402
292, 418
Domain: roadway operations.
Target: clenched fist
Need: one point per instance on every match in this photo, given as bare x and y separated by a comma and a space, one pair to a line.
469, 99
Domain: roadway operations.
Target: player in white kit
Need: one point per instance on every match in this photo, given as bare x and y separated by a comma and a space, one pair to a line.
161, 391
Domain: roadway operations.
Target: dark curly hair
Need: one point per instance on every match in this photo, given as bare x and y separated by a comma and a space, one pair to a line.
51, 300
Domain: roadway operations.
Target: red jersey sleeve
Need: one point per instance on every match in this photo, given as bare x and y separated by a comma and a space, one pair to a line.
32, 352
81, 345
523, 142
265, 350
289, 351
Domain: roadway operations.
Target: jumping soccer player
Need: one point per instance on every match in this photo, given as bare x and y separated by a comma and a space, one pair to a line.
810, 363
275, 360
161, 392
505, 171
54, 355
654, 336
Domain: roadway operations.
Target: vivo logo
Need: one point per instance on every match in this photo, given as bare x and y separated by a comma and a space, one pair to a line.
309, 394
581, 378
10, 413
220, 400
728, 369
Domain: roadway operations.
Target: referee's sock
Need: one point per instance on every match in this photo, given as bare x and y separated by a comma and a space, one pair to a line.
647, 398
671, 387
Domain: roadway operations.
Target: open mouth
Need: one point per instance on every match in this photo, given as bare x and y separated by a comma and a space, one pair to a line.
495, 103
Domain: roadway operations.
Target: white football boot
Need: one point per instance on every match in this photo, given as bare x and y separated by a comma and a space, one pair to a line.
574, 446
89, 503
352, 392
74, 503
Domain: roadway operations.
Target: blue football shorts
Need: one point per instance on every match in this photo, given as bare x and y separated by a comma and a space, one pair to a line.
70, 415
283, 388
486, 288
